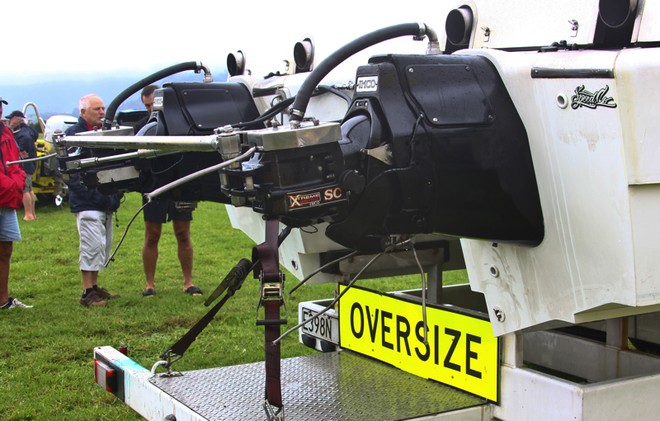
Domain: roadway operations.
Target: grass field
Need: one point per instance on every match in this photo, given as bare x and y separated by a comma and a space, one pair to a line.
46, 353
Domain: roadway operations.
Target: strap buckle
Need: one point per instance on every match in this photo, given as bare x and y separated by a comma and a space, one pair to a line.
272, 290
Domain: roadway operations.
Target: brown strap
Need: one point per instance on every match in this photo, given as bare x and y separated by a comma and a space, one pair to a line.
273, 381
266, 253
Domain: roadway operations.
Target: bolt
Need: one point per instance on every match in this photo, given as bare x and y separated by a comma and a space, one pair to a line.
499, 315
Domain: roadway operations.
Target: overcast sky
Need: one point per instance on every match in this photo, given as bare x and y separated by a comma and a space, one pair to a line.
74, 39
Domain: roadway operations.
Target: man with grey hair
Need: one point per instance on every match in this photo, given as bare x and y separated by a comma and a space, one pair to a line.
93, 211
92, 112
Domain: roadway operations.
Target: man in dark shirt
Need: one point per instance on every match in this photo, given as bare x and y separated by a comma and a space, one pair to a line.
93, 212
158, 213
147, 97
25, 137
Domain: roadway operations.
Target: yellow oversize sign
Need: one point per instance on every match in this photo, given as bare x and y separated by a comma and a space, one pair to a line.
461, 351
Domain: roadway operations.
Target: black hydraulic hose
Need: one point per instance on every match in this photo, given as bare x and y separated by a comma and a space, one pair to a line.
155, 77
280, 106
270, 113
305, 93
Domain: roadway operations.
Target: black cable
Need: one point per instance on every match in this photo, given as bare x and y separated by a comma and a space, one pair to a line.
348, 286
319, 269
268, 114
121, 240
337, 92
333, 302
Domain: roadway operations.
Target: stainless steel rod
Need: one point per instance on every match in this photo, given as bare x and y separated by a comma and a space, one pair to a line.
39, 158
178, 143
93, 162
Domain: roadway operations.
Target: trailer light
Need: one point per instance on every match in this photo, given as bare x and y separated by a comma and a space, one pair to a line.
104, 376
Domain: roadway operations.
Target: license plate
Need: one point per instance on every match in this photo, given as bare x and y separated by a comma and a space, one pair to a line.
325, 326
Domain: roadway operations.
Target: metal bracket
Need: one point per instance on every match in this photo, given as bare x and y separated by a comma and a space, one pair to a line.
273, 413
168, 365
486, 33
381, 153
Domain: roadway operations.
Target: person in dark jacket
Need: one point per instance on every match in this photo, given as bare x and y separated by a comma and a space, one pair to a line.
93, 213
12, 182
25, 137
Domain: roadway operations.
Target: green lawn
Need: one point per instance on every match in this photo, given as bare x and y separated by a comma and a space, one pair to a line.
46, 353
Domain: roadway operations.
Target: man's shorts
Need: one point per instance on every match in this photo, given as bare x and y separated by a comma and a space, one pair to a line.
9, 230
163, 211
28, 183
95, 230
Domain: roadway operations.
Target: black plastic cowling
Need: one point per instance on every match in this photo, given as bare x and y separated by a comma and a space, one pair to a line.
460, 157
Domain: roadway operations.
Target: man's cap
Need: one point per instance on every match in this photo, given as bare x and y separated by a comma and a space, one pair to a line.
15, 113
3, 101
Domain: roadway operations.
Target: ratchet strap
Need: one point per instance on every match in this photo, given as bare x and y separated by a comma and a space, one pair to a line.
232, 283
272, 285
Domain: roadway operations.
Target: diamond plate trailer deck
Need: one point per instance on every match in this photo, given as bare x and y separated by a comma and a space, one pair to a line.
328, 386
607, 381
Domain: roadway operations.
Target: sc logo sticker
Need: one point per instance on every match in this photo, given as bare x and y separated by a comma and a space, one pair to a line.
331, 194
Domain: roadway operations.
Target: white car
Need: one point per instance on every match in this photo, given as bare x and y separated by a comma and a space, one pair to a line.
58, 122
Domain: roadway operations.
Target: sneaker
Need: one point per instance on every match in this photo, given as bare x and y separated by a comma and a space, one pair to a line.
92, 299
105, 294
14, 303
